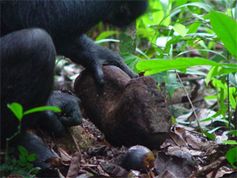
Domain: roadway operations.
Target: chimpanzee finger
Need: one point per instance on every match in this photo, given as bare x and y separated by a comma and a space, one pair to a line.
125, 68
98, 73
71, 112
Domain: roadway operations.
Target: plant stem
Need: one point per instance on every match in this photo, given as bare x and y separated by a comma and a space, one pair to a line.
11, 138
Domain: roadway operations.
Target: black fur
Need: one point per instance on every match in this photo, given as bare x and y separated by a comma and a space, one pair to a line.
33, 31
66, 21
27, 69
67, 18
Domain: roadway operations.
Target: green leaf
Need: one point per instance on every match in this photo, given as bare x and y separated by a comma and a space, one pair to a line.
233, 132
174, 40
31, 157
180, 29
22, 160
171, 83
199, 5
220, 70
106, 34
180, 2
230, 142
226, 29
22, 150
231, 156
127, 45
42, 108
16, 109
232, 97
160, 65
210, 136
212, 72
194, 27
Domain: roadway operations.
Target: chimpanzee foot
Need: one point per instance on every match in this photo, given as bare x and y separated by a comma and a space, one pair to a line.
34, 144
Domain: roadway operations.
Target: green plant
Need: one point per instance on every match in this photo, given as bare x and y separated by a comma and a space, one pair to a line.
23, 165
19, 113
175, 38
187, 33
231, 156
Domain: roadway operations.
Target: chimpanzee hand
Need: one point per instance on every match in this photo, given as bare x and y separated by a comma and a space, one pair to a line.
70, 115
85, 52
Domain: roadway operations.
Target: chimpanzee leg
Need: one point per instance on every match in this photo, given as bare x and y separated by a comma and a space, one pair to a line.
27, 66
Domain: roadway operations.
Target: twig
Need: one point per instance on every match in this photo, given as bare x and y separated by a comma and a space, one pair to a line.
228, 100
214, 165
188, 97
235, 118
74, 140
10, 139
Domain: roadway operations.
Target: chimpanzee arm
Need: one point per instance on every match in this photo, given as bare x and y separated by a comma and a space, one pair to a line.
67, 21
84, 51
